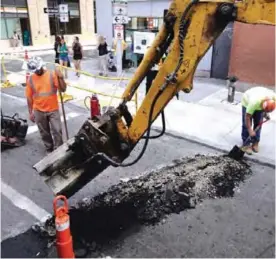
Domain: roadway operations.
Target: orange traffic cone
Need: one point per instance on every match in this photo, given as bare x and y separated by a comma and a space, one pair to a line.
26, 58
63, 234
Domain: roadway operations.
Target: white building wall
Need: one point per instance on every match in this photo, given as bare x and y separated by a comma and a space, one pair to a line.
104, 19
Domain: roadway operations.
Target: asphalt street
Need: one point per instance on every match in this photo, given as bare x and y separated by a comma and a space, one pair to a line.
242, 226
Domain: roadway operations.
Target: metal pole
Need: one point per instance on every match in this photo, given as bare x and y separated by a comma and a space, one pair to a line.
231, 84
64, 117
119, 56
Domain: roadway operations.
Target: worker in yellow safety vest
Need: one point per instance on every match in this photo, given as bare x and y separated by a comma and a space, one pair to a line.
114, 45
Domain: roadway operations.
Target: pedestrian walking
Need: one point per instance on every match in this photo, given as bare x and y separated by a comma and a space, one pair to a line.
102, 48
63, 55
77, 54
56, 46
41, 92
256, 103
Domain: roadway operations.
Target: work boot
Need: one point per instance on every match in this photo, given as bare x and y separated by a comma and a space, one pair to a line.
247, 150
255, 147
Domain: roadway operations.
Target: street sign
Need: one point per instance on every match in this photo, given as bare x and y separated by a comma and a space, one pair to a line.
63, 17
120, 9
120, 19
51, 10
63, 13
116, 19
124, 19
119, 12
119, 32
63, 8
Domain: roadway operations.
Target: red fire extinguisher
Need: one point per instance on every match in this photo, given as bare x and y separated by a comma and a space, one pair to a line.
95, 107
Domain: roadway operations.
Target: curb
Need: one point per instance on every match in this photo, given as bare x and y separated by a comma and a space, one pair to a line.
260, 160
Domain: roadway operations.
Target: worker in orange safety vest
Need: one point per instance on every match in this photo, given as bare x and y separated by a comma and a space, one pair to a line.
41, 92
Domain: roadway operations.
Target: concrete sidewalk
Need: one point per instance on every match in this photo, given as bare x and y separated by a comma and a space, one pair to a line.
215, 122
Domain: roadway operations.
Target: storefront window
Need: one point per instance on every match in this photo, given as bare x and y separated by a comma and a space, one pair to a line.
20, 3
14, 17
13, 24
4, 34
142, 24
7, 3
73, 26
145, 24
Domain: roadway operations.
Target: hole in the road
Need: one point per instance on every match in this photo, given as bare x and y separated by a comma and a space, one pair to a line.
124, 207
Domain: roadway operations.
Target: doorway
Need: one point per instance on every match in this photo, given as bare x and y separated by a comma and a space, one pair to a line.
26, 32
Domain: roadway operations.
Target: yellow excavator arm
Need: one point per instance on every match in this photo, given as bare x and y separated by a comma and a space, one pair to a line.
189, 29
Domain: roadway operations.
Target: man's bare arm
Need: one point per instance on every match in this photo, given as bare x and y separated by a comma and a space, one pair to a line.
61, 82
30, 105
248, 124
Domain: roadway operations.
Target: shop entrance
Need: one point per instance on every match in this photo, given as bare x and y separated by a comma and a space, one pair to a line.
26, 31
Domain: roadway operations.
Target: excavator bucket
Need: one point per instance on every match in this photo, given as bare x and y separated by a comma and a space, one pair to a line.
71, 166
64, 172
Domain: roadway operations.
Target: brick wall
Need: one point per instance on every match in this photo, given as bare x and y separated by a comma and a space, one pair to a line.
253, 53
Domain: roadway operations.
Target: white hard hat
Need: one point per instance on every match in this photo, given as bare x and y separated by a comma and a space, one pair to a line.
35, 64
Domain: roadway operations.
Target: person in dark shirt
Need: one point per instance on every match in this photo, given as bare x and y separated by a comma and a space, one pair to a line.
77, 54
102, 48
56, 45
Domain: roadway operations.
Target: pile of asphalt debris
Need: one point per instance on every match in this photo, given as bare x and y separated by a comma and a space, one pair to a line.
149, 198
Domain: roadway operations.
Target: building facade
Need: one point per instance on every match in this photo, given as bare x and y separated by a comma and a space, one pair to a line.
252, 57
144, 15
36, 26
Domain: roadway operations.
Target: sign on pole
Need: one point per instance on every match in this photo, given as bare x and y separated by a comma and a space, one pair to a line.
63, 8
119, 19
119, 32
120, 12
63, 13
119, 8
51, 10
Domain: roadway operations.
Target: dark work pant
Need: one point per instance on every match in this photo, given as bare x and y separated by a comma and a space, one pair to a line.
49, 125
257, 118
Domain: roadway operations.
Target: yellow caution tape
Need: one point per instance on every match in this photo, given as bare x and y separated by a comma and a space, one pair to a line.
88, 74
6, 83
70, 97
79, 71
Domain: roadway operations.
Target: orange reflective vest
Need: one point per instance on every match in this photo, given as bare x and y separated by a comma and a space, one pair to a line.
43, 91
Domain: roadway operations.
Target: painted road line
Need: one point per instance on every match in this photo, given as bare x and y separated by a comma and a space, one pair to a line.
24, 203
70, 115
14, 97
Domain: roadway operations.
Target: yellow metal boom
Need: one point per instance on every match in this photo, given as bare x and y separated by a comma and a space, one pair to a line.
189, 29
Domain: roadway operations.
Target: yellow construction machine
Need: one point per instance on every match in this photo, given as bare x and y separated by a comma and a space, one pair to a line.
190, 28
